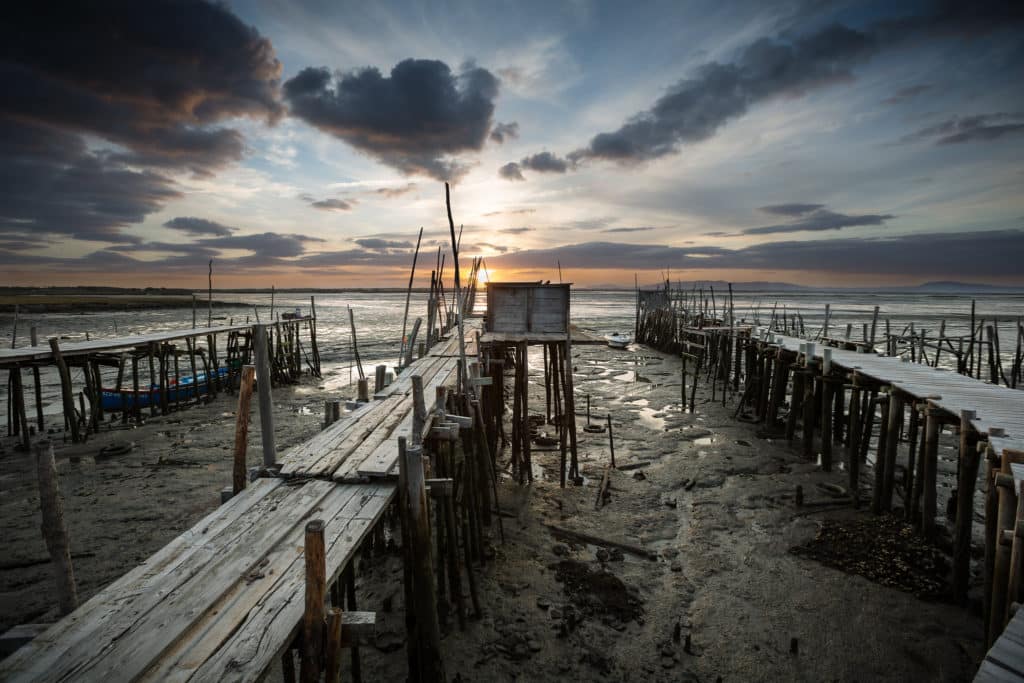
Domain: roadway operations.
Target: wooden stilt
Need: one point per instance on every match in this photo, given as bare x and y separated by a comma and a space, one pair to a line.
931, 456
238, 478
895, 417
65, 389
968, 474
55, 531
313, 617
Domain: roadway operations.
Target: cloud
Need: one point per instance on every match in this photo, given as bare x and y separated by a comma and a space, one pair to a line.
980, 127
198, 226
379, 244
545, 162
391, 192
935, 255
793, 209
51, 184
510, 212
695, 108
515, 231
414, 119
511, 171
814, 218
267, 244
908, 93
146, 84
332, 204
504, 131
643, 229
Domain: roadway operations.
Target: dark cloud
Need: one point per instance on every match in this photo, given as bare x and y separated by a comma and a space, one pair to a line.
379, 244
935, 255
511, 171
51, 184
504, 131
813, 218
788, 65
266, 244
644, 229
414, 119
515, 231
391, 192
332, 204
904, 94
980, 127
151, 79
199, 226
545, 162
793, 209
694, 109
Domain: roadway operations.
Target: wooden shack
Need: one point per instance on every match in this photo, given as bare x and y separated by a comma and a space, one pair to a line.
527, 307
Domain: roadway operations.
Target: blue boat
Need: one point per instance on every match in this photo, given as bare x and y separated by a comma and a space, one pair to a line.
184, 389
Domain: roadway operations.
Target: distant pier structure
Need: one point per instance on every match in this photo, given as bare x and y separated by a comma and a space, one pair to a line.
156, 373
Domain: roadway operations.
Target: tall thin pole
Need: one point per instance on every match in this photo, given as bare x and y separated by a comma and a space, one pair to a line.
408, 295
209, 296
455, 259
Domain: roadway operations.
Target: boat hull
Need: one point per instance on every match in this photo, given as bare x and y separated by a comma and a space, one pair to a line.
185, 389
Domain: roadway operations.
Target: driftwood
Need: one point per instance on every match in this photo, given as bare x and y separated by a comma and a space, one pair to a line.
583, 537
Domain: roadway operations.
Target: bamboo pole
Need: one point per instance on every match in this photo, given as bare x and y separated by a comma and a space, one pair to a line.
355, 343
407, 344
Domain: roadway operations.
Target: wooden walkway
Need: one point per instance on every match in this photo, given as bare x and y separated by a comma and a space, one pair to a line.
26, 354
218, 603
363, 444
225, 599
1005, 660
995, 406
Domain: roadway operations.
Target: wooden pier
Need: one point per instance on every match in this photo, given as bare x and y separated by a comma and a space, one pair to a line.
148, 370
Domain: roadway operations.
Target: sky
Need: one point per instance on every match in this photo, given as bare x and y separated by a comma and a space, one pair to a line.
304, 144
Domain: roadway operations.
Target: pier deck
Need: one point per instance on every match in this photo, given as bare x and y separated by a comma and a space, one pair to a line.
27, 354
995, 406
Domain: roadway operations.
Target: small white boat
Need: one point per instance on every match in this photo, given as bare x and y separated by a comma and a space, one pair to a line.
617, 340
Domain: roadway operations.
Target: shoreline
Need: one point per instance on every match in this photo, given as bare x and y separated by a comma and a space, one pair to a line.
89, 303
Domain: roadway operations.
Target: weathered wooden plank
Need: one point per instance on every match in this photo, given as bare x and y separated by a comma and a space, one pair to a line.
226, 615
273, 622
144, 629
383, 460
137, 590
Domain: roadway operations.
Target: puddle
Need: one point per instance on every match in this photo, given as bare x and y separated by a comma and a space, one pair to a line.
704, 441
651, 418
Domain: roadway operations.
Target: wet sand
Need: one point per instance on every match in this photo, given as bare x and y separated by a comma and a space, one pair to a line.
711, 499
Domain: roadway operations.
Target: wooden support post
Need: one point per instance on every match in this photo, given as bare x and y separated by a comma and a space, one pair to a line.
892, 434
238, 473
809, 411
378, 384
332, 658
931, 457
912, 482
968, 474
313, 617
18, 398
136, 396
153, 380
55, 532
415, 518
266, 399
40, 425
1001, 570
1015, 583
853, 443
66, 390
611, 441
796, 403
991, 531
882, 455
162, 361
363, 390
826, 423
